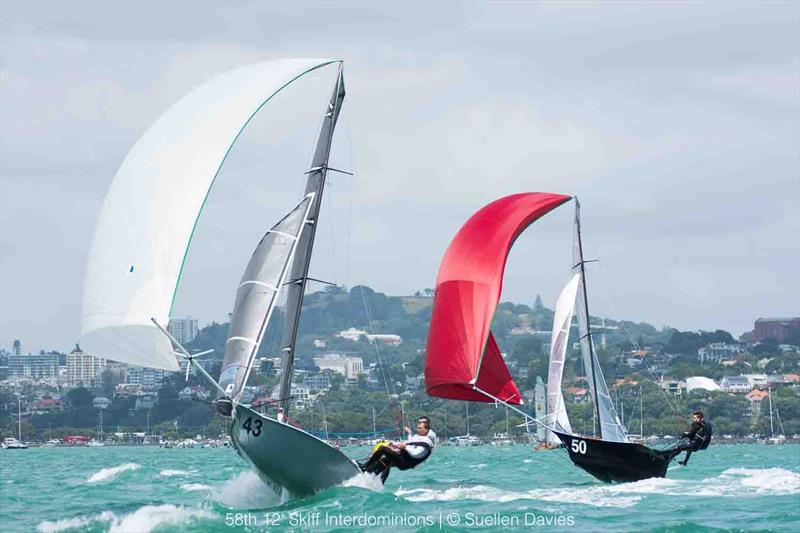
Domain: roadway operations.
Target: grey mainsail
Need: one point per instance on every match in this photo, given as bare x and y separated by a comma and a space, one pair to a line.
315, 183
609, 428
257, 295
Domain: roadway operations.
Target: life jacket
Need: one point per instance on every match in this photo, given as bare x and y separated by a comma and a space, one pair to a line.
705, 434
414, 461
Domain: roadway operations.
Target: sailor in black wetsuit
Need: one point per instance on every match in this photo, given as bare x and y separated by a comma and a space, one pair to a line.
697, 438
402, 455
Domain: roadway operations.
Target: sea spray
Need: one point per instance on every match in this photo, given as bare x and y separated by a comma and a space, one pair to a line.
247, 491
365, 481
107, 474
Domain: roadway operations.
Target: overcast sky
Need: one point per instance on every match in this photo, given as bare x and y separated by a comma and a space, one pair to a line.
677, 124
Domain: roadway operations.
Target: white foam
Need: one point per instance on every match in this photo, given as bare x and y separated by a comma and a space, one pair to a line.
247, 491
73, 523
110, 473
172, 473
195, 487
143, 520
149, 517
363, 480
763, 480
589, 496
526, 461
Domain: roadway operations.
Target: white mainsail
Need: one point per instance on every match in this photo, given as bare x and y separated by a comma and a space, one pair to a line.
257, 295
148, 218
610, 427
556, 409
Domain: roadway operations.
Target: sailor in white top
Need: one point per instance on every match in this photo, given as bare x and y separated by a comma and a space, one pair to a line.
402, 455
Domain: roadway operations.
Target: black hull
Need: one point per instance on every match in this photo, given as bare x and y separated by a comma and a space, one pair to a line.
619, 462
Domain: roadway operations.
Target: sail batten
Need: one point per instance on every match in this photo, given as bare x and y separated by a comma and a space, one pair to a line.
253, 307
562, 319
463, 360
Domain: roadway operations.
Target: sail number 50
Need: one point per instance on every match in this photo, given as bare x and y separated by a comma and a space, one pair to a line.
579, 446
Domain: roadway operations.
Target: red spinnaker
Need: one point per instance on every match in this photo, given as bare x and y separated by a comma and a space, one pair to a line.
461, 347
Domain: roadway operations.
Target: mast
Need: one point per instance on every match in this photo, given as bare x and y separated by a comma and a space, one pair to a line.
374, 430
467, 404
585, 297
771, 425
315, 183
19, 419
641, 413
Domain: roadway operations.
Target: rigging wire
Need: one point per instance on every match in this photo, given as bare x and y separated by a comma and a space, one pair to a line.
381, 360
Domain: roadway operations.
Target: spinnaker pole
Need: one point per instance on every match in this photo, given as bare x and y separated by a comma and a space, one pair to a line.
298, 277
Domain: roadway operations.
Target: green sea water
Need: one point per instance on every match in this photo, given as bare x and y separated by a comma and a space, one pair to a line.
726, 488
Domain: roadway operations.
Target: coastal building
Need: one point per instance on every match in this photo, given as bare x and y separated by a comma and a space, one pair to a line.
353, 334
184, 329
673, 386
35, 366
84, 369
717, 352
735, 384
317, 383
148, 379
779, 329
755, 397
349, 367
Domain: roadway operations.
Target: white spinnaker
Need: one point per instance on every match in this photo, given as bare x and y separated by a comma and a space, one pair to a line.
556, 409
148, 218
257, 295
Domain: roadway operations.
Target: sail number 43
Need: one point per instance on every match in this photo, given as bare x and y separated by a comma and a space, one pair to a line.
253, 427
579, 446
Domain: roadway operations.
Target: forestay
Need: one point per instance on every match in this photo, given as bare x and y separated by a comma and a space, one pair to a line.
257, 295
148, 218
562, 319
610, 427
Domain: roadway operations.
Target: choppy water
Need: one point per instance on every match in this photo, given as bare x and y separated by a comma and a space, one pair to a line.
741, 487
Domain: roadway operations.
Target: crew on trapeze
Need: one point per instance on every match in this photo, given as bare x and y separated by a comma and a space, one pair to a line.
402, 455
698, 437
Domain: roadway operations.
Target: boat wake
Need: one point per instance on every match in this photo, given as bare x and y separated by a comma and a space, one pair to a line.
247, 491
143, 520
107, 474
365, 481
734, 482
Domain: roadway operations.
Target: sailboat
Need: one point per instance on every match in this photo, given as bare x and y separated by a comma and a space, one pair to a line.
773, 438
463, 360
610, 456
10, 443
142, 238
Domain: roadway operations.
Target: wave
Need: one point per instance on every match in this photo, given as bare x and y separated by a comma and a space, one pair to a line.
172, 473
110, 473
143, 520
734, 482
195, 487
740, 481
589, 496
247, 491
365, 481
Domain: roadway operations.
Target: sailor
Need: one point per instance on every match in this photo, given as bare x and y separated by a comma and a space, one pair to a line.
402, 455
697, 438
281, 416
